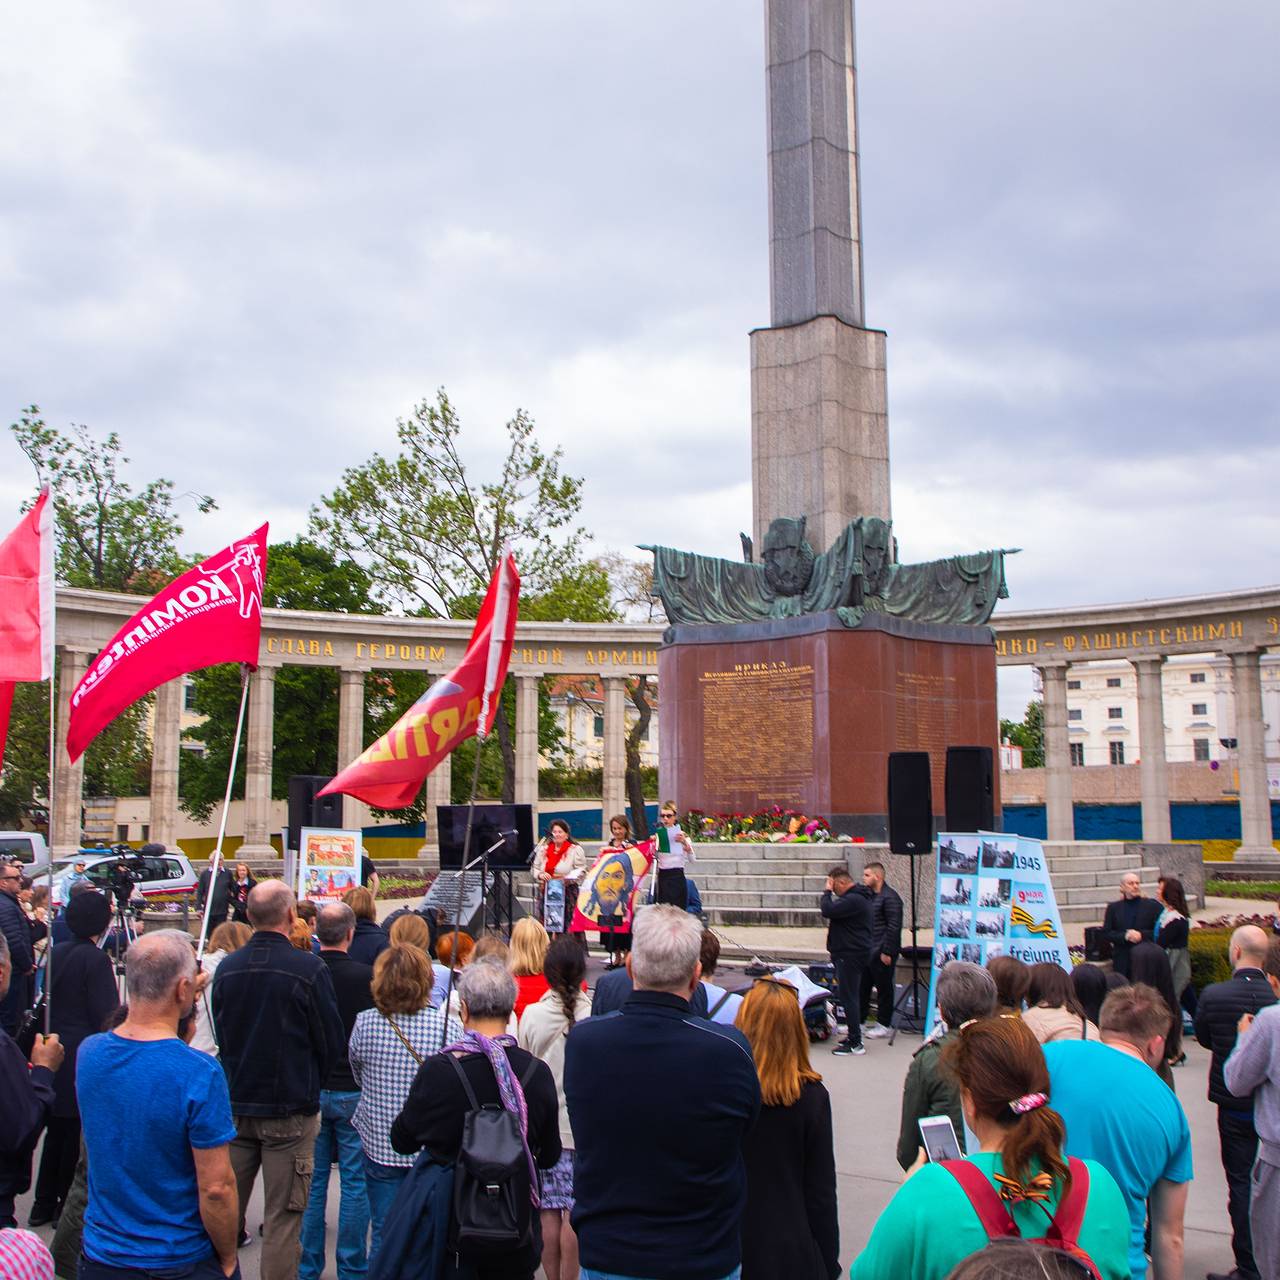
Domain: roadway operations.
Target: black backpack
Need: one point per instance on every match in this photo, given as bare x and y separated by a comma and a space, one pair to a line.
492, 1192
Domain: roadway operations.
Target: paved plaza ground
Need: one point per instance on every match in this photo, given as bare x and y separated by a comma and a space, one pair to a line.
866, 1095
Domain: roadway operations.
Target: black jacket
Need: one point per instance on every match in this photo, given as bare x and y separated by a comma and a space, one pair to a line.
432, 1118
1147, 912
28, 1100
223, 891
791, 1227
613, 990
17, 931
84, 997
278, 1026
665, 1196
369, 943
1217, 1015
351, 983
850, 923
886, 923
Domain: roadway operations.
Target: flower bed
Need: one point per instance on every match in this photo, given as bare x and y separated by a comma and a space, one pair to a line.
773, 825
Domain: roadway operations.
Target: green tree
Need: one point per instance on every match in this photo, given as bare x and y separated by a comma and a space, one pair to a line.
431, 535
1027, 733
300, 575
108, 536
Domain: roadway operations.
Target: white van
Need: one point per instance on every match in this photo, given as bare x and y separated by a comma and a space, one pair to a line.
25, 846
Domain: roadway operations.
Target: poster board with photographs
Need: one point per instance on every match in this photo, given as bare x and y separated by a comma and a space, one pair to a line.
994, 897
328, 863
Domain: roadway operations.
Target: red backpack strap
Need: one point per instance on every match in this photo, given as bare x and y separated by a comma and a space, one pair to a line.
985, 1199
1064, 1230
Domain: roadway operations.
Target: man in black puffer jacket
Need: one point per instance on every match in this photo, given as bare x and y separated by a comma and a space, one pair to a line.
1217, 1017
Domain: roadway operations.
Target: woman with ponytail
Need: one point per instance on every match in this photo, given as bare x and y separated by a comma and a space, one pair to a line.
932, 1223
544, 1028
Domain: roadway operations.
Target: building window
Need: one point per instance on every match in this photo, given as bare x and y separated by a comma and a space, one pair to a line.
1115, 713
1117, 752
1197, 677
1073, 684
122, 832
597, 726
188, 697
1077, 753
1199, 708
1113, 682
146, 832
1200, 749
1074, 713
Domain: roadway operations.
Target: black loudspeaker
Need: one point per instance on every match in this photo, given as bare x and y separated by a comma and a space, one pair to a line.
306, 809
1096, 945
910, 803
970, 789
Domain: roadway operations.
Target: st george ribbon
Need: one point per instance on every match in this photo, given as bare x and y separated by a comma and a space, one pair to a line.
389, 772
211, 614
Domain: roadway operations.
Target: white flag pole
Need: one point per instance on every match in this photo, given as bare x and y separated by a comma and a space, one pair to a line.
47, 624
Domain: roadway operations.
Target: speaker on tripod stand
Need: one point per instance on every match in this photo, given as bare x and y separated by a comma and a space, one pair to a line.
911, 835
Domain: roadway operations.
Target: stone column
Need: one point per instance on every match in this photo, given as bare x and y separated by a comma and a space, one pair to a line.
1059, 816
68, 778
355, 814
1153, 770
615, 749
259, 749
166, 738
1255, 805
527, 740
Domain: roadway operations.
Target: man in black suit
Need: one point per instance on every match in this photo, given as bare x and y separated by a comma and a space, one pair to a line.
338, 1142
221, 889
1129, 920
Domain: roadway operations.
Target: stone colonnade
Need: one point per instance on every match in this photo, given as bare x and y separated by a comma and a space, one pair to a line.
1240, 625
355, 645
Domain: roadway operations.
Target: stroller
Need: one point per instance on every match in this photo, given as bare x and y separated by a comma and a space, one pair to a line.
815, 997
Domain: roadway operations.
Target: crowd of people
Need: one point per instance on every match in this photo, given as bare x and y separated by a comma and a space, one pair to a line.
488, 1114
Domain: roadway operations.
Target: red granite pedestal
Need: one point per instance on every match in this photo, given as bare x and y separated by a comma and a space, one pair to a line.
803, 712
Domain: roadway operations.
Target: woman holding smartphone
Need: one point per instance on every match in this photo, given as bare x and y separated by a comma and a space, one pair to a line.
932, 1223
674, 848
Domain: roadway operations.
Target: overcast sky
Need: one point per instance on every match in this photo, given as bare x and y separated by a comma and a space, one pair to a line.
248, 236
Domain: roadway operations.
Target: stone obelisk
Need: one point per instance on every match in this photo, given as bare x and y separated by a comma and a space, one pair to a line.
819, 424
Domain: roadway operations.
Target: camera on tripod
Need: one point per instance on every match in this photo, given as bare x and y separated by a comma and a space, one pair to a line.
122, 877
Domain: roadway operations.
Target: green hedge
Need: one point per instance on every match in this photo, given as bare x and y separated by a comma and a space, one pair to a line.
1259, 890
1209, 961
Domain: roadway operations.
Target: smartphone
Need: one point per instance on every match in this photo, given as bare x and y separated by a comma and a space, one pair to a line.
939, 1137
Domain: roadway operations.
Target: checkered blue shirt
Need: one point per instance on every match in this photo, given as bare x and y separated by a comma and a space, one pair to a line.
384, 1069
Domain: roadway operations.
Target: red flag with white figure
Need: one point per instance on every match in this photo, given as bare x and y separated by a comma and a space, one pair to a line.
26, 614
388, 774
211, 614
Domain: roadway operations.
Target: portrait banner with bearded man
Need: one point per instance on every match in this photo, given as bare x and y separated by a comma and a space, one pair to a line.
606, 896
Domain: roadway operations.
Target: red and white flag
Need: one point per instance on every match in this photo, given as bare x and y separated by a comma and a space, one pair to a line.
211, 614
26, 615
388, 774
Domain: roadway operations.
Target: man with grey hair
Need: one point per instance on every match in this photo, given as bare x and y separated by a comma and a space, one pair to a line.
966, 993
157, 1128
338, 1142
438, 1102
28, 1098
280, 1034
1218, 1014
1128, 920
641, 1198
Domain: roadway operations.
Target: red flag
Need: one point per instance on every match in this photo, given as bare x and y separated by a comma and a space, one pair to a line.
26, 618
388, 774
211, 614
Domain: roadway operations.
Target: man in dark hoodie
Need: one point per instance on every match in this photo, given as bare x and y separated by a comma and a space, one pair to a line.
847, 909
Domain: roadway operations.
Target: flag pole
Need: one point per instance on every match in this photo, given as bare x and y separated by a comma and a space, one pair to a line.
215, 863
48, 911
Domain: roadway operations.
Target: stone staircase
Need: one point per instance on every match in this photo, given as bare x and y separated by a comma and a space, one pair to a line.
1086, 876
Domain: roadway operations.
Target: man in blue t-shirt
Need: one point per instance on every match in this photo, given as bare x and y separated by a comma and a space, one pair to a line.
157, 1127
1121, 1114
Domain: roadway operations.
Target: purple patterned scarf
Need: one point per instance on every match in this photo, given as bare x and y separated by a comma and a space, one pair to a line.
509, 1089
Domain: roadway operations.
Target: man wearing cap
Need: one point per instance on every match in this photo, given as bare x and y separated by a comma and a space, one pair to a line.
82, 998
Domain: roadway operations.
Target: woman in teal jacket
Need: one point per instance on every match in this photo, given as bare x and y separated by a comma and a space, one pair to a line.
931, 1223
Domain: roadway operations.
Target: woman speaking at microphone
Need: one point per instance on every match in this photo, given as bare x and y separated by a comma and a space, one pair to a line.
559, 858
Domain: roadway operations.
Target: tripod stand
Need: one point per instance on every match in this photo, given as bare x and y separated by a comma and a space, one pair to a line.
916, 992
121, 931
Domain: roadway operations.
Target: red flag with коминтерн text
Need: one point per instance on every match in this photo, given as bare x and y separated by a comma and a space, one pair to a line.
389, 772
